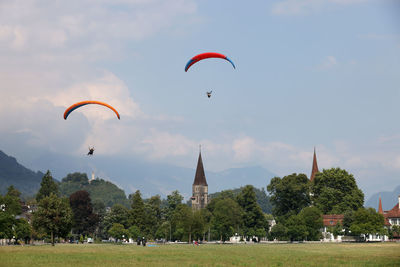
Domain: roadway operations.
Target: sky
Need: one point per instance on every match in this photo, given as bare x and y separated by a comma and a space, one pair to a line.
309, 73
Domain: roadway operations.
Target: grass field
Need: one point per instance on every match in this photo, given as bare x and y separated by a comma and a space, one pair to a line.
375, 254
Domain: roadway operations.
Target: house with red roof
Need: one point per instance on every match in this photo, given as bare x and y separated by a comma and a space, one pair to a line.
331, 220
392, 217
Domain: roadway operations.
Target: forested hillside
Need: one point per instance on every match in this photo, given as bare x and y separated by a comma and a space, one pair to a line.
13, 173
261, 195
99, 189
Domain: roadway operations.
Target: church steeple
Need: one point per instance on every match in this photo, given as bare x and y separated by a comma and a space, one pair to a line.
380, 210
200, 187
200, 177
314, 166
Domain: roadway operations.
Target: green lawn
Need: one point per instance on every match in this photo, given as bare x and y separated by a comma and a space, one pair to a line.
375, 254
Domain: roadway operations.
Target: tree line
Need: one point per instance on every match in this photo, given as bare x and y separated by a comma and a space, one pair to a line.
297, 207
57, 217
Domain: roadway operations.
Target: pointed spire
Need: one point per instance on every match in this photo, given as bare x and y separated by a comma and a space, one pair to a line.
380, 210
200, 177
314, 167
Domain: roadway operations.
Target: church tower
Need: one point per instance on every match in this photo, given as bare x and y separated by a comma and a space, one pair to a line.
380, 210
200, 187
314, 167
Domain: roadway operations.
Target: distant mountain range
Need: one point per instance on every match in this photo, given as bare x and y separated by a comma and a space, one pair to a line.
13, 173
389, 199
148, 177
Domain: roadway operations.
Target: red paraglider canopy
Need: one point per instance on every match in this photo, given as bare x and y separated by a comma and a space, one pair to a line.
202, 56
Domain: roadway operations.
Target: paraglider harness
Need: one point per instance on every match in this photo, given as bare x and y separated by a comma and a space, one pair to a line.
91, 150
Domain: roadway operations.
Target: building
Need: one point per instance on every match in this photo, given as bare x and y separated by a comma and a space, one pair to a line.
392, 217
330, 221
200, 187
314, 169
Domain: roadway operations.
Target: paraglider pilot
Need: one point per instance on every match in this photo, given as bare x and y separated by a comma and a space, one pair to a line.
91, 150
209, 94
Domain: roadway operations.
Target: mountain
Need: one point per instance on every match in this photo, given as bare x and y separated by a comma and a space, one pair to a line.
99, 190
149, 177
13, 173
28, 183
152, 178
389, 199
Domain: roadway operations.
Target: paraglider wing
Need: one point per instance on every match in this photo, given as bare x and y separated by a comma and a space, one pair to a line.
83, 103
202, 56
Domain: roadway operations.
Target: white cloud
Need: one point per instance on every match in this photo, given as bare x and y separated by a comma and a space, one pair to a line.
164, 144
328, 63
244, 148
48, 49
107, 88
75, 29
304, 7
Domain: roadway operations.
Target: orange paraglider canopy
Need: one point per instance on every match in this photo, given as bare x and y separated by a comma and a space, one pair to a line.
83, 103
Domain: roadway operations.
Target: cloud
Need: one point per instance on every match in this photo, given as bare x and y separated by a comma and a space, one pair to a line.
328, 63
81, 30
305, 7
244, 148
106, 88
48, 50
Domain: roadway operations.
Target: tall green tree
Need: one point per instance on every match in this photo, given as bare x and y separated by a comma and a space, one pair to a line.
279, 232
134, 232
183, 220
289, 195
10, 207
12, 201
227, 218
7, 221
118, 214
173, 200
138, 212
13, 192
47, 186
263, 200
163, 230
225, 194
296, 228
312, 218
23, 230
254, 221
335, 191
168, 213
261, 195
85, 221
153, 215
348, 219
118, 231
367, 221
53, 216
100, 210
